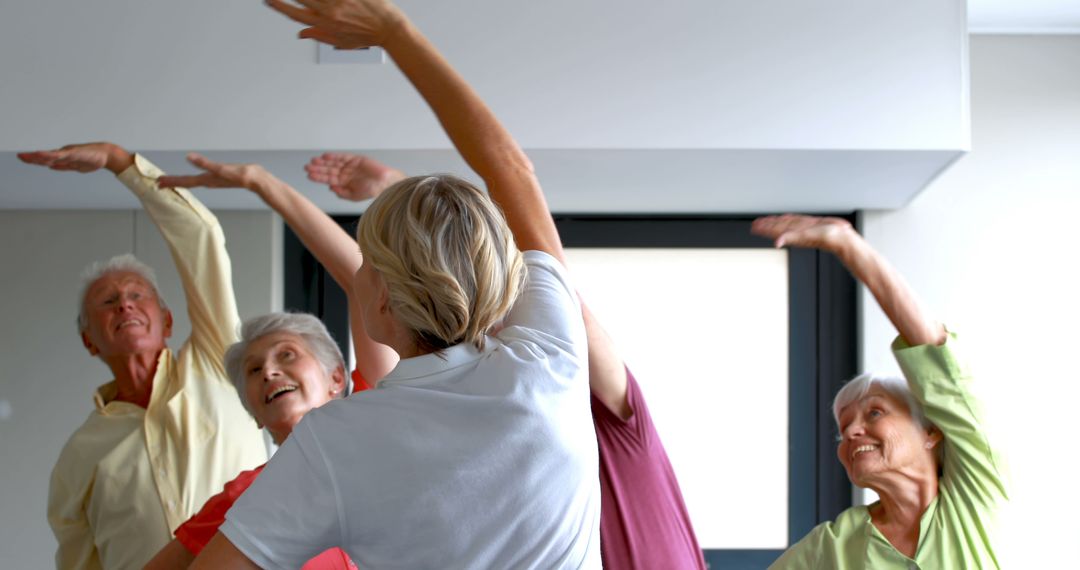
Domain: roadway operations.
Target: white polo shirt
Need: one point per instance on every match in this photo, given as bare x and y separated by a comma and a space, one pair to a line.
472, 459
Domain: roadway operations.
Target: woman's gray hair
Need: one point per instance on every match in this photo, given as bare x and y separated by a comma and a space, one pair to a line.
309, 328
124, 262
896, 387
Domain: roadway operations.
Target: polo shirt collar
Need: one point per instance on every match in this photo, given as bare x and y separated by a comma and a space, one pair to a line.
429, 365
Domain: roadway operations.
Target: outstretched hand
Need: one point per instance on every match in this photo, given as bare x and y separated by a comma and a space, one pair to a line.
352, 176
344, 24
829, 234
216, 175
86, 157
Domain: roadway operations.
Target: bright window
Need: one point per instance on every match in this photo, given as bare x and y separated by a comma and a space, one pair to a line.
705, 331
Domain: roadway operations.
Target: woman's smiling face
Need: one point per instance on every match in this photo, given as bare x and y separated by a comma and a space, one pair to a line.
284, 380
879, 437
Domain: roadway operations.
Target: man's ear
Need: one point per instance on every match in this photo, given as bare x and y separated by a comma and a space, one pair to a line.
89, 344
167, 330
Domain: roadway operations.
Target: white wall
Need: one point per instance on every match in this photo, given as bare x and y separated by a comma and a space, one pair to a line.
991, 248
563, 74
46, 377
722, 105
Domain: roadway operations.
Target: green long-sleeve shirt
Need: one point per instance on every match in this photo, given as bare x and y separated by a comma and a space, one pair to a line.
957, 530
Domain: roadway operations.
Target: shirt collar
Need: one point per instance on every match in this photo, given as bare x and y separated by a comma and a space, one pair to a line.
924, 524
106, 393
419, 367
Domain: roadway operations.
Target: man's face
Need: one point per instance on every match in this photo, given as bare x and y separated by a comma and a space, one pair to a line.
124, 316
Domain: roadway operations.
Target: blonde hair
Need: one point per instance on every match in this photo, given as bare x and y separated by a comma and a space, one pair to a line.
447, 257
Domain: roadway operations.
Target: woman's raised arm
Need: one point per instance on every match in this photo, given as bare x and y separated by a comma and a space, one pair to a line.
330, 245
890, 290
481, 139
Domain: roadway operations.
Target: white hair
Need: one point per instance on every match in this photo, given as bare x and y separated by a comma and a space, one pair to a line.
125, 262
896, 387
309, 328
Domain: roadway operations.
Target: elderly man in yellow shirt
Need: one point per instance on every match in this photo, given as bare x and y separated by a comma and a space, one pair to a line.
169, 431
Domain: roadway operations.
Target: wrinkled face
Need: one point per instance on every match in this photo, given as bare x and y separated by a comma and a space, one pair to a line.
283, 381
880, 438
124, 316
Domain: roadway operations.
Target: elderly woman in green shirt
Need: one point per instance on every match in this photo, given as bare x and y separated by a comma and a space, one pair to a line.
919, 443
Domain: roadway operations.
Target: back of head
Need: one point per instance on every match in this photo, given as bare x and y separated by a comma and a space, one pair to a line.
447, 257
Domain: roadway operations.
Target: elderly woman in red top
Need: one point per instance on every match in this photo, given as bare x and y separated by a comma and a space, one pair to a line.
285, 365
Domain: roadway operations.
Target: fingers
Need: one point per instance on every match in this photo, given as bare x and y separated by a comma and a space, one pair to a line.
765, 226
779, 228
40, 157
322, 174
324, 36
334, 158
63, 159
204, 163
303, 15
315, 4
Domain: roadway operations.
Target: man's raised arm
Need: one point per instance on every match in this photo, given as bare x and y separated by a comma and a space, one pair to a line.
191, 231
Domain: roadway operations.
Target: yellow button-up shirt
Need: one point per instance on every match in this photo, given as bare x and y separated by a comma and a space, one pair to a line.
129, 476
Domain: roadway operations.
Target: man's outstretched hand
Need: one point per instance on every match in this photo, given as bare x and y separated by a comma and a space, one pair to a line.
86, 157
352, 176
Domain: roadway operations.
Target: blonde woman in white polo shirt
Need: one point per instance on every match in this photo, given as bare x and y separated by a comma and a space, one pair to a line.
477, 450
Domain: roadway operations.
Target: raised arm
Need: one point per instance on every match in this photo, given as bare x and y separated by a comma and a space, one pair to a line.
482, 141
356, 177
836, 236
191, 231
334, 248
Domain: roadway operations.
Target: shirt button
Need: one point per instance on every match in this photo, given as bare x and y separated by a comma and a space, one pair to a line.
172, 505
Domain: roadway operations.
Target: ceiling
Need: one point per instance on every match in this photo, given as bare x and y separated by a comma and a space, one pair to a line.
732, 106
1024, 16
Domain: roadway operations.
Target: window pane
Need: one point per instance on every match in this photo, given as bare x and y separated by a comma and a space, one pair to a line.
705, 331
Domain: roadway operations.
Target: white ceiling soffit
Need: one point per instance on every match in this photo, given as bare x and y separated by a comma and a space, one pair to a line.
575, 181
624, 105
1024, 16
